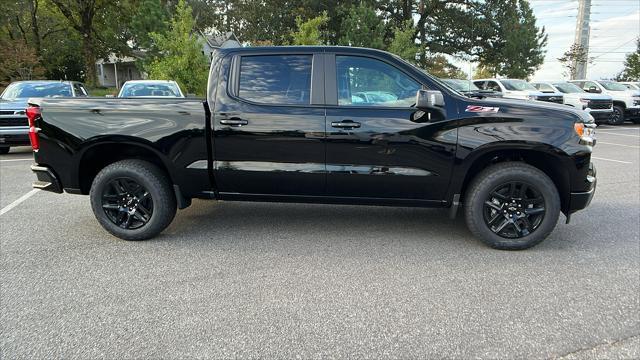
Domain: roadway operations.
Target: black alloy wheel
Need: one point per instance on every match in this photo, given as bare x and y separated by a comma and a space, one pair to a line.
127, 203
617, 116
514, 210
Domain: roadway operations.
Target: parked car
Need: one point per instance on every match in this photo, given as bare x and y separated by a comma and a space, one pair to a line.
276, 128
598, 105
468, 88
14, 127
631, 85
517, 89
626, 103
150, 89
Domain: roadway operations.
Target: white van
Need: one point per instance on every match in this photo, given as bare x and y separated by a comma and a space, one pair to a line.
598, 105
517, 89
626, 103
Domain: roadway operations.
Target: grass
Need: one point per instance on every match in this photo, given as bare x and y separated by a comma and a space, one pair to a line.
101, 91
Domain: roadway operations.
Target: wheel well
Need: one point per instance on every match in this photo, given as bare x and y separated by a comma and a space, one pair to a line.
547, 163
620, 103
99, 156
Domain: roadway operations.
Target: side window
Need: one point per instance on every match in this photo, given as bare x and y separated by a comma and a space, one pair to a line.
589, 85
544, 88
493, 86
79, 90
482, 85
276, 79
369, 82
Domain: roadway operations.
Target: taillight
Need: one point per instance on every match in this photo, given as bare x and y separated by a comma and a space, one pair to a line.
33, 112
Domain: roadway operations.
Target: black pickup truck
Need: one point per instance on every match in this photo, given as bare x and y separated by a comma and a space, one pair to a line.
319, 125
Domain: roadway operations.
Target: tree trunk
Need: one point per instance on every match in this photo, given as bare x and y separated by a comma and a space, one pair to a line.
89, 60
33, 5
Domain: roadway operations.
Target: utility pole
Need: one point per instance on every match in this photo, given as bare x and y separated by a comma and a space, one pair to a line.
582, 37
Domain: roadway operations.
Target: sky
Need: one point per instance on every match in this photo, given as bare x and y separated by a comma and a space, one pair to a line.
615, 25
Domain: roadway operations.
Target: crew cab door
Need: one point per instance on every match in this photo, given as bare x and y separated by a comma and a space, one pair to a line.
378, 144
268, 125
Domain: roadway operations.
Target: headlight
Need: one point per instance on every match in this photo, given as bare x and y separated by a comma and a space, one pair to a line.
585, 103
586, 132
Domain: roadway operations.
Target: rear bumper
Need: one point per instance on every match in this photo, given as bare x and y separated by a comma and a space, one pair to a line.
14, 136
582, 199
47, 179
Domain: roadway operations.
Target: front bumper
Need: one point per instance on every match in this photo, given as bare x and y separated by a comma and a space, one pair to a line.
14, 136
47, 179
582, 199
632, 112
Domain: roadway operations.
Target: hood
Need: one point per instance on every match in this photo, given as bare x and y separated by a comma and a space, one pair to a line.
536, 109
590, 96
13, 104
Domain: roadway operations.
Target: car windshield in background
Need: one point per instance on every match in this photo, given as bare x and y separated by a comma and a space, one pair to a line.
27, 90
568, 88
613, 86
149, 89
461, 85
517, 85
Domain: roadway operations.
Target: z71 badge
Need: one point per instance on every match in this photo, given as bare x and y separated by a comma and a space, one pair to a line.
481, 109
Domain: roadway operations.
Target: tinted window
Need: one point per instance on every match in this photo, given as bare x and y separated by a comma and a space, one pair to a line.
493, 86
517, 85
150, 89
276, 79
79, 89
544, 88
369, 82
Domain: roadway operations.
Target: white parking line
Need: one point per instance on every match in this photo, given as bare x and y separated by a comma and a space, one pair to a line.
608, 143
618, 161
8, 160
17, 202
610, 133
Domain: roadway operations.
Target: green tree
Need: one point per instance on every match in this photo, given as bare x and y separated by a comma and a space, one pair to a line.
362, 27
631, 70
439, 66
181, 56
18, 61
309, 32
149, 16
403, 43
483, 72
569, 60
514, 45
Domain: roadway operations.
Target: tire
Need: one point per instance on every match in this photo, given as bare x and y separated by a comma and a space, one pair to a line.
4, 150
617, 117
121, 207
485, 207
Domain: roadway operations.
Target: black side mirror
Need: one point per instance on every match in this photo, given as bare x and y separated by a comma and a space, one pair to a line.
593, 89
429, 99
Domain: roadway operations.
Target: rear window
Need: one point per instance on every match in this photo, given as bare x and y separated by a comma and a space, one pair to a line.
276, 79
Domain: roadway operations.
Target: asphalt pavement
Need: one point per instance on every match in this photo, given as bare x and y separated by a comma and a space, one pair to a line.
264, 280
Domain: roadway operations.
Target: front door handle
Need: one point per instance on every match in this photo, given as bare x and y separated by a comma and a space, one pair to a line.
348, 124
234, 122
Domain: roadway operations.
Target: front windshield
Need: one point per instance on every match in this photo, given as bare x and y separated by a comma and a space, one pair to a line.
461, 85
28, 89
613, 86
568, 88
150, 89
517, 85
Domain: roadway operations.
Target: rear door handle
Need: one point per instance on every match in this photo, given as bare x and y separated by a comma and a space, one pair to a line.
234, 122
345, 124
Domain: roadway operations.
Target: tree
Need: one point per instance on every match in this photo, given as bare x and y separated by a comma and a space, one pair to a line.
18, 61
483, 72
150, 16
571, 58
181, 56
514, 45
362, 27
309, 32
631, 70
439, 66
404, 43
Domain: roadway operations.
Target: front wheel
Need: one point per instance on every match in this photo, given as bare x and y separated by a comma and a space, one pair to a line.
132, 199
512, 206
617, 116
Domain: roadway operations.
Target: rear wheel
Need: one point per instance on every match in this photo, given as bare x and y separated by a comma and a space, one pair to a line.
617, 116
132, 199
4, 150
512, 206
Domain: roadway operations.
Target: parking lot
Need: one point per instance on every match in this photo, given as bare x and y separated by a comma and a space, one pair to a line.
288, 280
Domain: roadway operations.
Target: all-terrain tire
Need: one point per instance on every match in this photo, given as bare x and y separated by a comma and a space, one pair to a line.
617, 117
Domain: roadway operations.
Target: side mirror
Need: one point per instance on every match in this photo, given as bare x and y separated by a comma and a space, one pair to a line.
593, 89
429, 99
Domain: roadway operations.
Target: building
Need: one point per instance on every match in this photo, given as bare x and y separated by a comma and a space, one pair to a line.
115, 70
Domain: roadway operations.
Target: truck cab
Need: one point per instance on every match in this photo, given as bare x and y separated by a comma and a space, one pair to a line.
626, 102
